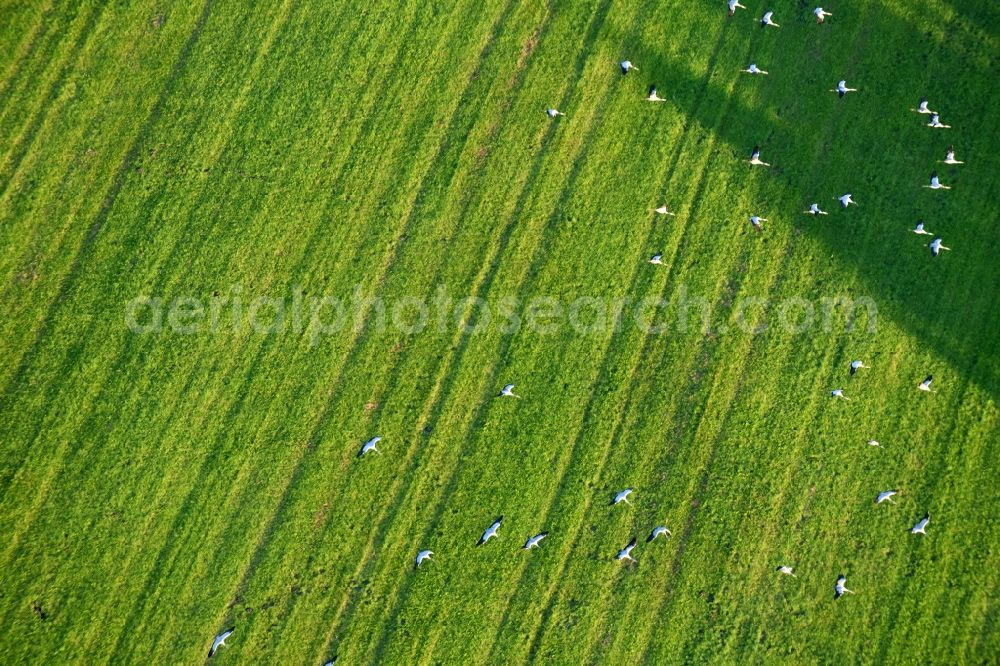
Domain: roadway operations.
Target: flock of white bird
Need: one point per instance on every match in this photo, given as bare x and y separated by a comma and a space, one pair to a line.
846, 200
625, 554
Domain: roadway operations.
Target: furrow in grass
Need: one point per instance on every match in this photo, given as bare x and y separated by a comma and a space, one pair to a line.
50, 103
694, 209
443, 156
486, 281
46, 327
107, 202
321, 424
671, 165
25, 49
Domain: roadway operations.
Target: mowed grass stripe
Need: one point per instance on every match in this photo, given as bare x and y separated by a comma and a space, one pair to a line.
691, 213
762, 267
489, 264
59, 238
31, 277
967, 467
248, 377
68, 278
734, 70
57, 35
77, 48
28, 44
773, 355
402, 387
12, 398
630, 465
446, 157
166, 485
742, 520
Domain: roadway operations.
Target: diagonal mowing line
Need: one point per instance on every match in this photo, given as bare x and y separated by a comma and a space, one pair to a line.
101, 620
829, 129
934, 478
643, 349
237, 406
429, 415
19, 148
390, 260
205, 465
108, 201
617, 428
483, 284
452, 130
701, 486
26, 48
99, 221
122, 357
946, 493
606, 363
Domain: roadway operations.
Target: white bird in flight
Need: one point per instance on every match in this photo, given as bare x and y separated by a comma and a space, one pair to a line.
821, 14
755, 220
840, 589
949, 157
220, 640
755, 158
370, 445
922, 107
874, 442
508, 392
552, 113
842, 88
766, 20
857, 365
627, 66
658, 531
653, 97
921, 526
885, 496
936, 247
846, 200
490, 532
838, 393
919, 229
753, 69
626, 552
421, 556
533, 542
926, 384
622, 497
936, 122
815, 210
662, 210
936, 184
656, 259
733, 5
787, 570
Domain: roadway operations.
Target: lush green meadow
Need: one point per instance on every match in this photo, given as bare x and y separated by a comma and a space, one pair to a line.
158, 486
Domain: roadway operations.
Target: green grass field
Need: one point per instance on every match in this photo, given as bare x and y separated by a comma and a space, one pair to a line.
157, 487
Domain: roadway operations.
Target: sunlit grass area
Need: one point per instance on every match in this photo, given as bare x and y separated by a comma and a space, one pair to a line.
239, 240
